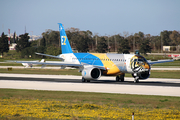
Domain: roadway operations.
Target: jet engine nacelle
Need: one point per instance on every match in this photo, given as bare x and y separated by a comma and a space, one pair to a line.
142, 75
91, 73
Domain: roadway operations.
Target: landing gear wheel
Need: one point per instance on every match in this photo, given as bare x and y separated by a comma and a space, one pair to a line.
83, 79
122, 77
136, 79
122, 80
88, 80
117, 78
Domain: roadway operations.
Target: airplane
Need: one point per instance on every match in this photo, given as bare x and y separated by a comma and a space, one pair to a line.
174, 56
26, 65
94, 65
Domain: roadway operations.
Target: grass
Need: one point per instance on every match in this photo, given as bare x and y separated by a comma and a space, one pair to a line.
175, 63
156, 57
43, 71
125, 100
154, 73
165, 74
33, 104
10, 64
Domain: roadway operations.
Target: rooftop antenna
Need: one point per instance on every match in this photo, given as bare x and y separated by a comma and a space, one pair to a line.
9, 37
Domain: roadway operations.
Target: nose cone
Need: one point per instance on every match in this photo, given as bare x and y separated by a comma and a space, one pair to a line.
139, 64
146, 65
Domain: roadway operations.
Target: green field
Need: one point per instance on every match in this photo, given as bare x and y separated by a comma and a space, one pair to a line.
33, 104
176, 63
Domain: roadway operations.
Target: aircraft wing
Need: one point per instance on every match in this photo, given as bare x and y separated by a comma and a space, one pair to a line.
62, 64
65, 64
50, 55
100, 67
159, 61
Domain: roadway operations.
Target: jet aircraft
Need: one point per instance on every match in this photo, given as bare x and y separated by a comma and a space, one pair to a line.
94, 65
26, 65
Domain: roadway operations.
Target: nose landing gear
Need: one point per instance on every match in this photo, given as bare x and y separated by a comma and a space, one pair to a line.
136, 79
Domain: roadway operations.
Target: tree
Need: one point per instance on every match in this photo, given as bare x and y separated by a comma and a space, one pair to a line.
131, 41
23, 45
79, 39
4, 47
51, 37
102, 45
156, 43
145, 47
42, 47
175, 37
136, 41
43, 42
82, 44
14, 37
165, 37
23, 42
28, 51
124, 47
53, 50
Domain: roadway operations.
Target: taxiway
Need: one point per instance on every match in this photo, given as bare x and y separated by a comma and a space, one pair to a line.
151, 86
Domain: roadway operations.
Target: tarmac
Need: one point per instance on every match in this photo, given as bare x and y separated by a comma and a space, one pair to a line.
151, 86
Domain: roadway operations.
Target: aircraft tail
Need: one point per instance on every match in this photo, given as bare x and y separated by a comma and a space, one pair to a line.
65, 46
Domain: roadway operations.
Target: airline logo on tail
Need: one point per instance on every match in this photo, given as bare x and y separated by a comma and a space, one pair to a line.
63, 40
65, 46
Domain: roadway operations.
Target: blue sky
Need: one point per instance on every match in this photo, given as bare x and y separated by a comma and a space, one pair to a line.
105, 17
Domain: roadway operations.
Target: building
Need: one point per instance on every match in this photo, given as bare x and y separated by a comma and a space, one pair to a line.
166, 48
12, 46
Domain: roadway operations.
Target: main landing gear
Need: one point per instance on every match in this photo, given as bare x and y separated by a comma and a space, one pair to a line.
84, 80
120, 78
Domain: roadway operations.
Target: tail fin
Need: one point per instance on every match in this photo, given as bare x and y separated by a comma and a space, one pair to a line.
65, 46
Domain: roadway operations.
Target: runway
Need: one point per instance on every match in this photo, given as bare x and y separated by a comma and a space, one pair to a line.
151, 86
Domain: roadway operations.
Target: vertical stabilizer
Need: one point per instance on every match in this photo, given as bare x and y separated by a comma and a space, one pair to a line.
65, 46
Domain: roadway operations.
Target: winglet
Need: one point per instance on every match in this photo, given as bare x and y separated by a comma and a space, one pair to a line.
65, 46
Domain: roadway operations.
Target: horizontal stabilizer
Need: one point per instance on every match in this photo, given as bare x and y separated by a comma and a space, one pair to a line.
50, 55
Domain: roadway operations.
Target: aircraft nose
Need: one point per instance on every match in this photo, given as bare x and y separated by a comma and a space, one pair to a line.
146, 65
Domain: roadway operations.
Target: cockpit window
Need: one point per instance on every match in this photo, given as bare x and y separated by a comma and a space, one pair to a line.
140, 60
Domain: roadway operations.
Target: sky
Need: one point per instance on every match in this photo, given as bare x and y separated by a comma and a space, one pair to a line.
102, 17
